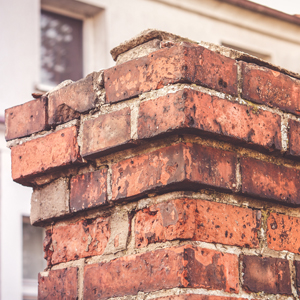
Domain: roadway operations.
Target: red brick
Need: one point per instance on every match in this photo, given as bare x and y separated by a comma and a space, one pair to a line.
25, 119
266, 274
270, 87
283, 233
59, 284
294, 138
88, 190
184, 266
165, 221
197, 297
67, 103
81, 239
44, 154
196, 110
173, 167
199, 220
185, 62
270, 181
297, 266
227, 224
106, 132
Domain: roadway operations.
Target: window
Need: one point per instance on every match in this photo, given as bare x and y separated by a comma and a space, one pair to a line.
61, 48
33, 258
73, 41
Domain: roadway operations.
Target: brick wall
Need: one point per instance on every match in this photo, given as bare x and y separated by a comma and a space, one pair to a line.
173, 175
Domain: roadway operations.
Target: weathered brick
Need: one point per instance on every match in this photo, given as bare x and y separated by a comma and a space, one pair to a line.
181, 62
294, 138
227, 224
270, 181
185, 266
50, 201
59, 284
81, 239
88, 190
175, 166
195, 110
106, 132
165, 221
283, 233
270, 87
297, 267
197, 297
25, 119
68, 102
266, 274
44, 154
199, 220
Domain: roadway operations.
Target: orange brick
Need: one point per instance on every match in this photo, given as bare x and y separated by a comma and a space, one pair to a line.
199, 220
44, 154
173, 167
184, 266
81, 239
188, 62
107, 132
25, 119
194, 110
270, 87
270, 181
59, 284
283, 233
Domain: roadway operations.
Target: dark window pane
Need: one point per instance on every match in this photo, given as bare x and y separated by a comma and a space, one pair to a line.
33, 260
61, 49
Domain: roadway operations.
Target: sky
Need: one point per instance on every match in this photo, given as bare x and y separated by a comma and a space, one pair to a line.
288, 6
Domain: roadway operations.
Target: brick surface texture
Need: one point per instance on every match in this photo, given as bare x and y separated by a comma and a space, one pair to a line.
266, 274
23, 120
40, 155
176, 164
185, 266
195, 110
198, 220
88, 190
59, 284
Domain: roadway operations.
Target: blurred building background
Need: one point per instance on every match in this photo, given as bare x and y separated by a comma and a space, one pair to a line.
44, 42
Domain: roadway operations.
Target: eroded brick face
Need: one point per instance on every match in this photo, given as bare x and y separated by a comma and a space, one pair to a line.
266, 274
185, 266
189, 109
106, 132
43, 154
25, 119
270, 181
88, 190
284, 233
81, 239
199, 220
173, 167
67, 103
59, 284
198, 297
270, 87
179, 63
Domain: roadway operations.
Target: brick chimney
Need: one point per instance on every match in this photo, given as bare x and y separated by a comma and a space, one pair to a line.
173, 175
